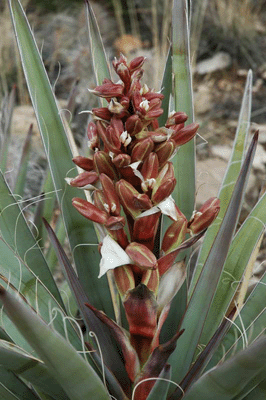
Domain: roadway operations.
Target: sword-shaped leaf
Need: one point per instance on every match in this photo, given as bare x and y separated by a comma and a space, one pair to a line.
199, 304
79, 231
67, 366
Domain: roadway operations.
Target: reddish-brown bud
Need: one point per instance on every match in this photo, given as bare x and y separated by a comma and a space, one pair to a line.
205, 216
108, 89
145, 228
185, 134
103, 164
100, 201
123, 72
115, 223
164, 151
151, 279
132, 201
133, 124
165, 183
150, 167
122, 160
136, 63
93, 136
142, 149
174, 235
84, 179
89, 211
110, 194
141, 255
112, 140
176, 118
102, 113
83, 162
124, 279
153, 95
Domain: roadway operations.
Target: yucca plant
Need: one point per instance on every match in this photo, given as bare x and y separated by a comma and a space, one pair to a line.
153, 330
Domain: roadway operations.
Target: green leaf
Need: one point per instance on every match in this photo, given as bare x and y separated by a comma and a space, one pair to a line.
227, 380
6, 112
30, 369
184, 162
16, 233
99, 60
237, 260
230, 176
199, 305
66, 365
12, 384
258, 393
80, 231
247, 326
166, 88
23, 165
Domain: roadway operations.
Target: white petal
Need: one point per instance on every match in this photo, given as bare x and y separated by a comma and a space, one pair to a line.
167, 207
170, 282
112, 256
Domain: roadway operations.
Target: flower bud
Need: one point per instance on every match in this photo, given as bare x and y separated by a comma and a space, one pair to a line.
165, 183
165, 150
142, 149
133, 125
153, 95
205, 216
100, 201
83, 162
136, 63
145, 228
108, 89
110, 194
122, 160
151, 279
132, 201
89, 211
124, 279
115, 223
150, 167
93, 136
185, 134
174, 235
141, 256
176, 118
84, 179
124, 74
102, 113
103, 164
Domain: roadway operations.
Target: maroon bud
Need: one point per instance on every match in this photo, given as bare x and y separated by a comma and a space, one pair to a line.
89, 211
110, 194
174, 235
103, 164
122, 160
84, 179
93, 136
150, 167
165, 150
136, 63
108, 89
185, 134
133, 125
142, 149
83, 162
141, 256
205, 216
102, 113
132, 201
176, 118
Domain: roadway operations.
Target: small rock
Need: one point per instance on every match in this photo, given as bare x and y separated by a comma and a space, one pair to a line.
220, 60
202, 100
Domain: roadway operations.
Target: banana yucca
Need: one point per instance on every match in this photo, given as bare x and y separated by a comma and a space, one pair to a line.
155, 326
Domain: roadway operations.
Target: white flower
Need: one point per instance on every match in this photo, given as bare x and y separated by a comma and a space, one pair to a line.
112, 256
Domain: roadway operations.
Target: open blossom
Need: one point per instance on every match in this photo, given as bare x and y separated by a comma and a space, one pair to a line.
132, 178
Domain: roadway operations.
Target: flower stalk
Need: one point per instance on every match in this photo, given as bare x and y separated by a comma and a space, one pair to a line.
130, 171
